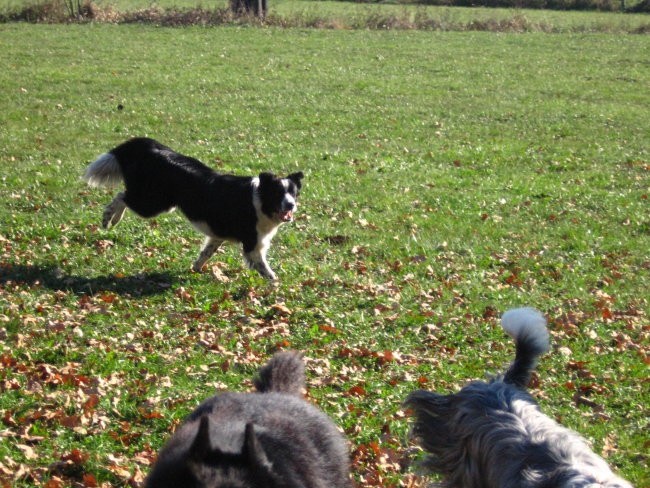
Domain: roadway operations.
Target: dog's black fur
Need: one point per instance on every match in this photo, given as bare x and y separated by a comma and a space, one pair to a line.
268, 439
223, 207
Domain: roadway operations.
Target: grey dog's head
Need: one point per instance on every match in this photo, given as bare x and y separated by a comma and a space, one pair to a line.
271, 438
239, 461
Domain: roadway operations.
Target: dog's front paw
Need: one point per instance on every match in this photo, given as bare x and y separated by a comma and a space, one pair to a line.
265, 272
267, 275
111, 220
107, 224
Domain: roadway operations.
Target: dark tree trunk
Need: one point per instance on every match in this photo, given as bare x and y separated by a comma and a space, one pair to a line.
256, 7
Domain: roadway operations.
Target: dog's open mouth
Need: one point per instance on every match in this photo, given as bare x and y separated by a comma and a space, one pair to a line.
286, 216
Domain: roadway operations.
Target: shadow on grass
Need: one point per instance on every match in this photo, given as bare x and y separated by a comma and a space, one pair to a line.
54, 278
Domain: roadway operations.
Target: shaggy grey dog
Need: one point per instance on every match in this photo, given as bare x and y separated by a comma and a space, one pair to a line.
493, 435
268, 439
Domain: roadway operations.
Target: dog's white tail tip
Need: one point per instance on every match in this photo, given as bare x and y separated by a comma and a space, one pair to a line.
526, 324
104, 171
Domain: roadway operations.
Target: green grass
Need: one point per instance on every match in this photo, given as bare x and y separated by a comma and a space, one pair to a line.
449, 177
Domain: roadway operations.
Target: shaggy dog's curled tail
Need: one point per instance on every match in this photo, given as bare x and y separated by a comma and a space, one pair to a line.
527, 327
445, 425
284, 373
104, 171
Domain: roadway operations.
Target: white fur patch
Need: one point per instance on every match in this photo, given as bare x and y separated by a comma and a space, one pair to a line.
205, 229
104, 171
566, 444
266, 227
289, 201
526, 323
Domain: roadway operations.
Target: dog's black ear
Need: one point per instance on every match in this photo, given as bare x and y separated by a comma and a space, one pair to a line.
254, 453
296, 178
201, 447
266, 177
429, 404
434, 415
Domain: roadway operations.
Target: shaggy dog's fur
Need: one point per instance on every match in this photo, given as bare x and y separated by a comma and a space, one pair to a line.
242, 209
269, 439
493, 435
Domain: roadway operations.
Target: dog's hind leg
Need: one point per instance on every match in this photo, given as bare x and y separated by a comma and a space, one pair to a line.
210, 245
114, 211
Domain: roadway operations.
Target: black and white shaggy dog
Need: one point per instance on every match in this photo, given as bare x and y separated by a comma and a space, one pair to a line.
242, 209
268, 439
493, 435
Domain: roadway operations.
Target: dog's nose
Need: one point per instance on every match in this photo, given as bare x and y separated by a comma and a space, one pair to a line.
288, 207
288, 204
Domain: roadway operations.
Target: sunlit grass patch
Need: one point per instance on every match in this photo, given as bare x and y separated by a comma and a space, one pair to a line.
449, 177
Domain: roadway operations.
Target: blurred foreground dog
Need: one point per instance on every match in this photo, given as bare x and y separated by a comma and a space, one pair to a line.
268, 439
493, 435
242, 209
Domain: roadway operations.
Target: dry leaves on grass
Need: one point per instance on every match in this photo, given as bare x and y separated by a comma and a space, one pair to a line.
63, 396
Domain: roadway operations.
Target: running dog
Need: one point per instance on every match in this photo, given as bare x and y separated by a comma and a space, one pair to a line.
248, 210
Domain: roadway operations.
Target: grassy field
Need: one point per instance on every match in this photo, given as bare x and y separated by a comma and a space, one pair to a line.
449, 177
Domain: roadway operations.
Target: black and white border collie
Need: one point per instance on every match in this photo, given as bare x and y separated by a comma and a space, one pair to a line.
241, 209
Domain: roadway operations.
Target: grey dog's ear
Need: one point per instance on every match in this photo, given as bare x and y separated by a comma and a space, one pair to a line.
254, 453
201, 447
434, 415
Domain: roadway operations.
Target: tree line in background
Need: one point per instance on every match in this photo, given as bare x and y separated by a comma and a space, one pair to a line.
602, 5
53, 11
